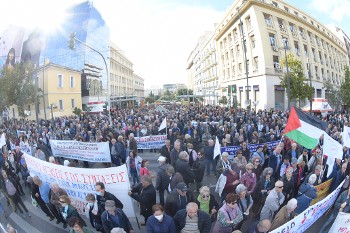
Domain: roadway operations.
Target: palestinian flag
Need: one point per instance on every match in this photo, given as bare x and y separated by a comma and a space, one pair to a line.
304, 128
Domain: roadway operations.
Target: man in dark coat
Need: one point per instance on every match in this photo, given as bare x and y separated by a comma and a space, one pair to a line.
145, 194
183, 167
162, 180
103, 196
199, 169
165, 150
178, 199
192, 211
132, 143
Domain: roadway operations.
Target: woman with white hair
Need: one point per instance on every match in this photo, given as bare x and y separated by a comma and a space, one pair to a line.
245, 202
306, 194
223, 164
207, 202
285, 214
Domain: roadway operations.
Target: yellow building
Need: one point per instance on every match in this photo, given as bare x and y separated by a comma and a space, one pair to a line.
60, 88
267, 26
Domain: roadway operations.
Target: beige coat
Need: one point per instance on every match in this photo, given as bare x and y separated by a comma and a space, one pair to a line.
281, 218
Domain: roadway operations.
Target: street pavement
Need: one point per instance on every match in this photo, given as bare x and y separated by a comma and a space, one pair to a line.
39, 223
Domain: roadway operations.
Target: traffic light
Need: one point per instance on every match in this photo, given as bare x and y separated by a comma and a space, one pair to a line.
72, 40
234, 89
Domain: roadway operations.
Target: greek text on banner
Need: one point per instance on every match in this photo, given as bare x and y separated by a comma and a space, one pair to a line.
151, 142
85, 151
78, 182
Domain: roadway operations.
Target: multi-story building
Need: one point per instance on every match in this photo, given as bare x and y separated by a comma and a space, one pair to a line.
265, 27
154, 91
139, 86
61, 90
174, 87
344, 38
204, 63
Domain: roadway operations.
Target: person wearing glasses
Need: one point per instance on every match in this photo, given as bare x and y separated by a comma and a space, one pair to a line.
248, 179
262, 189
223, 164
240, 160
199, 169
306, 194
257, 167
206, 202
229, 215
273, 202
68, 211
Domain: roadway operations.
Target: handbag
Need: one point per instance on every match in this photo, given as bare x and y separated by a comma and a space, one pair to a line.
34, 202
346, 183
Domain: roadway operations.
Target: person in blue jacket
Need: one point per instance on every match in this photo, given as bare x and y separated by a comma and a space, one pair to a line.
306, 194
159, 222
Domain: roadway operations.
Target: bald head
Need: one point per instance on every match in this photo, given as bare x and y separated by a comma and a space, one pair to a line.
264, 225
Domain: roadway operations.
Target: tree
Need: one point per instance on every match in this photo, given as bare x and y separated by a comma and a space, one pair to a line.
345, 88
299, 88
333, 95
149, 99
77, 111
223, 100
17, 88
185, 91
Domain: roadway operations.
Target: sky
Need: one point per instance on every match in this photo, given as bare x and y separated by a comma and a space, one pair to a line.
158, 35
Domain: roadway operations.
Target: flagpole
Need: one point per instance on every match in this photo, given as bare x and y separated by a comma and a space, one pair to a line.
280, 140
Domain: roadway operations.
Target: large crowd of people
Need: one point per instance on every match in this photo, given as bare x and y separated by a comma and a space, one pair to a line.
269, 185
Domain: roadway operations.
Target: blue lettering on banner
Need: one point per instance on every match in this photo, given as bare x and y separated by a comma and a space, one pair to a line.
232, 150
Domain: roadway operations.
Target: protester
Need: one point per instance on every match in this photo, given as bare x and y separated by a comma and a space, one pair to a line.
178, 199
199, 169
229, 215
160, 222
183, 167
192, 219
162, 178
133, 162
175, 178
306, 194
165, 150
288, 182
207, 202
248, 179
103, 196
285, 214
145, 195
55, 204
209, 157
273, 202
223, 164
77, 226
144, 168
260, 227
68, 211
174, 153
95, 211
114, 217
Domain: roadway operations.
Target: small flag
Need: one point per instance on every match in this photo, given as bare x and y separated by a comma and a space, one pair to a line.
333, 150
2, 140
216, 148
163, 125
346, 136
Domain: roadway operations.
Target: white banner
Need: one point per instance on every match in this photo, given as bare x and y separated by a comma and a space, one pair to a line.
333, 149
85, 151
151, 142
78, 182
341, 223
304, 220
2, 140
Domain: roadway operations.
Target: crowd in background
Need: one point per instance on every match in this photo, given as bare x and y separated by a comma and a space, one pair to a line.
268, 185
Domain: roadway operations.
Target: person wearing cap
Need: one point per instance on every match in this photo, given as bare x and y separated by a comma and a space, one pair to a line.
162, 178
306, 194
183, 167
178, 199
273, 202
192, 219
145, 194
114, 217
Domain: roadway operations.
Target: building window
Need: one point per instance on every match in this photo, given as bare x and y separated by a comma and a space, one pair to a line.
272, 39
60, 103
292, 28
268, 20
256, 63
286, 9
72, 82
73, 103
305, 50
297, 49
252, 40
238, 51
60, 81
276, 62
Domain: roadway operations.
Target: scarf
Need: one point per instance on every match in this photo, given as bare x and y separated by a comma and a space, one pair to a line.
204, 204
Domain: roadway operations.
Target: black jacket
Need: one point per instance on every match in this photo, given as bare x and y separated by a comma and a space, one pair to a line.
164, 152
109, 196
199, 169
183, 167
162, 180
204, 222
146, 197
170, 206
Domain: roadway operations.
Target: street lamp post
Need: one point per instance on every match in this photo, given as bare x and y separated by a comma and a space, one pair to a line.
51, 105
245, 58
309, 74
73, 37
285, 46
